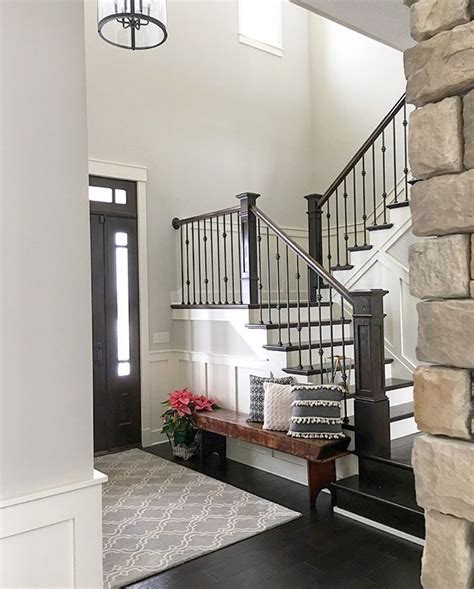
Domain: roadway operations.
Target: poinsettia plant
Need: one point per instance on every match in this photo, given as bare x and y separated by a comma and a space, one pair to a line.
177, 419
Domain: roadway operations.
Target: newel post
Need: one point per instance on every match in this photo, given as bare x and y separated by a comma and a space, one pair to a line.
315, 239
248, 250
371, 405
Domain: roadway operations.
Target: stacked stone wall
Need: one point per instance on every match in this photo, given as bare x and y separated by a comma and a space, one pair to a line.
440, 83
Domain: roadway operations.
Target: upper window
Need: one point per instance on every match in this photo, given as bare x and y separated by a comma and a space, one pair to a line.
260, 25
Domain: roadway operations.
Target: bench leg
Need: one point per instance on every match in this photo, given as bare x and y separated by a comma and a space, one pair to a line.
320, 475
213, 450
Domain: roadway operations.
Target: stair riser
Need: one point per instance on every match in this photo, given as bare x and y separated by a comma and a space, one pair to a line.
293, 358
386, 474
273, 334
402, 428
316, 378
254, 315
382, 512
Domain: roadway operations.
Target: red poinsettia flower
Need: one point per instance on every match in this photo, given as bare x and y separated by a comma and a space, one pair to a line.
202, 403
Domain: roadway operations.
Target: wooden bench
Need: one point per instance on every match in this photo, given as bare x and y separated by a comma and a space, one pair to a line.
321, 455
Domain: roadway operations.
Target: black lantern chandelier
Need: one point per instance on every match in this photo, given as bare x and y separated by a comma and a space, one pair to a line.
132, 24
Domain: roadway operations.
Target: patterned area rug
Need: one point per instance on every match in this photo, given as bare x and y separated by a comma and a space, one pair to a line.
157, 514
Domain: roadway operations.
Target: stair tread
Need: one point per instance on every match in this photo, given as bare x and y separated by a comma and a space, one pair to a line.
402, 411
398, 205
340, 267
312, 370
400, 453
397, 413
397, 495
294, 324
360, 248
294, 347
380, 227
391, 384
291, 305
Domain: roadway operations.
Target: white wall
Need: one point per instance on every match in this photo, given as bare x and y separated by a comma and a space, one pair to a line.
210, 117
46, 394
50, 501
354, 83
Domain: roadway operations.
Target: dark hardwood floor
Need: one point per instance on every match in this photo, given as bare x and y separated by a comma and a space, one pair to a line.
317, 551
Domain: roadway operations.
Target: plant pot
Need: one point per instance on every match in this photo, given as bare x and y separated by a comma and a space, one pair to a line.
186, 451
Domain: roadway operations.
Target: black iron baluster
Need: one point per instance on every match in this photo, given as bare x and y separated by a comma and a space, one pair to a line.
239, 242
374, 188
328, 217
354, 189
199, 261
188, 282
277, 258
384, 181
260, 285
331, 330
226, 278
395, 179
288, 295
364, 205
405, 169
298, 305
232, 259
338, 257
320, 321
346, 233
343, 371
310, 346
206, 279
218, 247
213, 286
194, 263
182, 263
269, 279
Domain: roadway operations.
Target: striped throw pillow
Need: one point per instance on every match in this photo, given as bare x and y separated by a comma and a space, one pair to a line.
316, 412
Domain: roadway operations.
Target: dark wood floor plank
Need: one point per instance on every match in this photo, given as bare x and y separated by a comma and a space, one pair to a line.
317, 551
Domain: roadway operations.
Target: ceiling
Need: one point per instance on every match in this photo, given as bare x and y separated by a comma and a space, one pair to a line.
387, 21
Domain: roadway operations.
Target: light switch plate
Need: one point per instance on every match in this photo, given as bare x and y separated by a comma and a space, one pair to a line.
161, 337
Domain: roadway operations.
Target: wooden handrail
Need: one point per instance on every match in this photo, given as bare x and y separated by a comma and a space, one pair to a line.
366, 145
177, 223
303, 255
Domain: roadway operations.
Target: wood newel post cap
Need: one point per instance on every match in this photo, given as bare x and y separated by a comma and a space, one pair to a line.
314, 202
368, 301
250, 197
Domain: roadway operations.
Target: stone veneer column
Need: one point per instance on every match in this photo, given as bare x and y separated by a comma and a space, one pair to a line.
440, 83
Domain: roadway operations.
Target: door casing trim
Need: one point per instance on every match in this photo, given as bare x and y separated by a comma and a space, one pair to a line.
139, 175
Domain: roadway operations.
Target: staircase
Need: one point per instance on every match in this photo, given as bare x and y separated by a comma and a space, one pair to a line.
298, 309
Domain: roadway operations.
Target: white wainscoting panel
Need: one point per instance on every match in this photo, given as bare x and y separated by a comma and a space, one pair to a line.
58, 534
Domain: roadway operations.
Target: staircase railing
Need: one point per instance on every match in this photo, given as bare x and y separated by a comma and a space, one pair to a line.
239, 256
358, 200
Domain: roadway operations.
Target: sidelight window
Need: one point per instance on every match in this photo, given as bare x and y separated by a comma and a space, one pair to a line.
123, 306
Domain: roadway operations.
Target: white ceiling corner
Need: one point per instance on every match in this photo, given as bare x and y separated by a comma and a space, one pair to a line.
387, 21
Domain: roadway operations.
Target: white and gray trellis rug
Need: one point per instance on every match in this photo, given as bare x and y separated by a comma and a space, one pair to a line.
157, 514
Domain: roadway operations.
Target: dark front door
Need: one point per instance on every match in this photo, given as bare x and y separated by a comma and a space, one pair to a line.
115, 319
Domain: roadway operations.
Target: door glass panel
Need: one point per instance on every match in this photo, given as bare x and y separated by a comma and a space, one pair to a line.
120, 197
121, 238
123, 369
123, 313
100, 194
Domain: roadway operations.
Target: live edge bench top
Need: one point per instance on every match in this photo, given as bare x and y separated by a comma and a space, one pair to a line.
234, 425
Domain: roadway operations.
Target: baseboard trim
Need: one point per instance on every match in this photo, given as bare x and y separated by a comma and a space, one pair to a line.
378, 526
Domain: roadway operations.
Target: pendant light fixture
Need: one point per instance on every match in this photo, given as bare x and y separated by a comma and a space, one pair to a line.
132, 24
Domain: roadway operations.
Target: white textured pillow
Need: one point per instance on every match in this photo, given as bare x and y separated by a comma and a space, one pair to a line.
277, 406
